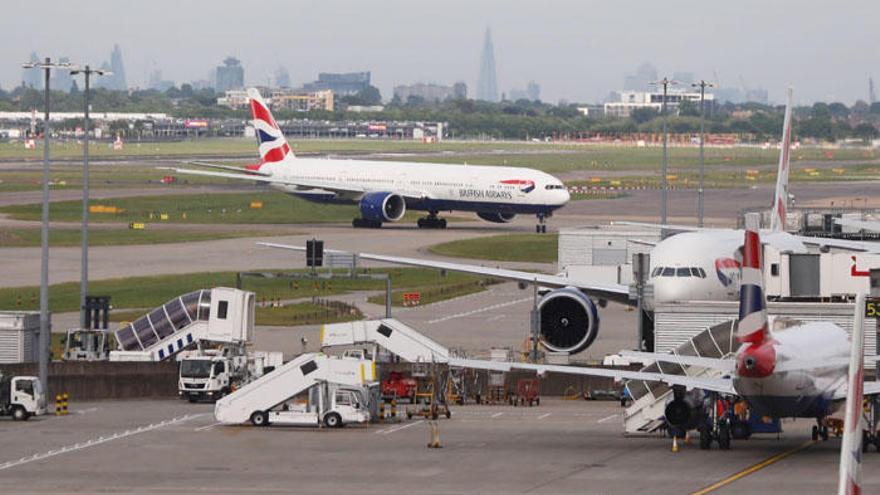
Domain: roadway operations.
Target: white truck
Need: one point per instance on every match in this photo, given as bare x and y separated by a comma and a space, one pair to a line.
211, 374
330, 404
21, 397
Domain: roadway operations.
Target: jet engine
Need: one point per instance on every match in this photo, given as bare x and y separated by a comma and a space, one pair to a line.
382, 207
569, 320
685, 410
496, 217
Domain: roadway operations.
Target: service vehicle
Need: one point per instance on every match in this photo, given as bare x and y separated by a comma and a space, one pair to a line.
21, 397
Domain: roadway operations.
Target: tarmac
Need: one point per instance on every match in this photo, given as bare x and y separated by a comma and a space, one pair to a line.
559, 447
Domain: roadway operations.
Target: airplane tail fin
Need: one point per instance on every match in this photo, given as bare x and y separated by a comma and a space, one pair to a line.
780, 201
753, 326
273, 145
850, 480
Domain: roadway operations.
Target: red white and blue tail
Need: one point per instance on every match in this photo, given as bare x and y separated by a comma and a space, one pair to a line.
273, 145
780, 201
850, 481
753, 325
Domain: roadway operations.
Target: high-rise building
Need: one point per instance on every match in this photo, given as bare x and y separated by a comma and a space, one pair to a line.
230, 75
487, 86
425, 92
642, 79
32, 78
342, 84
533, 91
282, 78
61, 79
117, 79
459, 91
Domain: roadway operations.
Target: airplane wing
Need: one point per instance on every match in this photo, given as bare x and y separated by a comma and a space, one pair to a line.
230, 168
726, 365
611, 292
270, 179
860, 246
720, 385
660, 226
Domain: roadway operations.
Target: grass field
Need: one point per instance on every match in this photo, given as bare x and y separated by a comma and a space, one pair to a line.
149, 292
541, 248
27, 237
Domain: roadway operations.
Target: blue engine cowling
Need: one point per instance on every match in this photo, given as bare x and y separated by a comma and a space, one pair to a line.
496, 217
382, 207
569, 320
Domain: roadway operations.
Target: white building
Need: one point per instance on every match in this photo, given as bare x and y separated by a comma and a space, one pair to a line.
631, 100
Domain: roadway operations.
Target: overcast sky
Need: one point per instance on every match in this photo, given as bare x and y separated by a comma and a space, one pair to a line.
577, 50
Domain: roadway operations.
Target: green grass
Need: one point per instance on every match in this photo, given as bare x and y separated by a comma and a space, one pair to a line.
540, 248
305, 314
149, 292
30, 237
434, 293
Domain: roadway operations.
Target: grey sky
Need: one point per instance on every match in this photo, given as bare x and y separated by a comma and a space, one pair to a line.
578, 50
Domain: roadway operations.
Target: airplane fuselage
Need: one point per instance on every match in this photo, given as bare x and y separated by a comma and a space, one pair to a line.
809, 366
427, 187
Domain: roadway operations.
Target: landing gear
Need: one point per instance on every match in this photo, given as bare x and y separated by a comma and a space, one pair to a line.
870, 435
716, 427
363, 223
541, 228
820, 430
432, 221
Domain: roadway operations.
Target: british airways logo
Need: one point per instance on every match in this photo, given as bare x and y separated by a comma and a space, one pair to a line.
525, 186
727, 270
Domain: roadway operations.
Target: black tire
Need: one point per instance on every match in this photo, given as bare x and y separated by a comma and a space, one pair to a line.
421, 223
815, 434
448, 413
724, 436
823, 432
537, 401
20, 414
705, 438
442, 223
333, 420
537, 229
543, 229
260, 418
741, 431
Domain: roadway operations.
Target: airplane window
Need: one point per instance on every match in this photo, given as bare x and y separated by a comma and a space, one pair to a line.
702, 273
669, 272
683, 272
656, 271
695, 271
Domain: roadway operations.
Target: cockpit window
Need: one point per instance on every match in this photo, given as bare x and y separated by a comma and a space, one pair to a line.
656, 271
683, 272
669, 272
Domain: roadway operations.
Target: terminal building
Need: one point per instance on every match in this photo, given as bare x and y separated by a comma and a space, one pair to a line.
282, 99
341, 84
632, 100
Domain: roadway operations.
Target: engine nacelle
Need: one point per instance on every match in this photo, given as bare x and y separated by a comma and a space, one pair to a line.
685, 411
569, 320
496, 217
382, 207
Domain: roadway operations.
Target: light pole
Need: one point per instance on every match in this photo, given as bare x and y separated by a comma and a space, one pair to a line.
84, 271
44, 344
700, 192
664, 192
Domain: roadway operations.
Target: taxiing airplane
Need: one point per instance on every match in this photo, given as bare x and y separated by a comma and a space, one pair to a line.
696, 264
384, 190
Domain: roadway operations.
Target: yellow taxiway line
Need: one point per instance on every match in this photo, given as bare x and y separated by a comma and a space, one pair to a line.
752, 469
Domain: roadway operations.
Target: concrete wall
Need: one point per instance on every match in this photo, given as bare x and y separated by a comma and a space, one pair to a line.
104, 380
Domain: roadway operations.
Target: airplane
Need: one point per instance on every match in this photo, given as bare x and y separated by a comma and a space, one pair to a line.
865, 225
784, 368
852, 444
384, 190
696, 264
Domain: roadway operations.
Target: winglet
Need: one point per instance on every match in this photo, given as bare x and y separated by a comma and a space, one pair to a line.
850, 480
753, 326
780, 201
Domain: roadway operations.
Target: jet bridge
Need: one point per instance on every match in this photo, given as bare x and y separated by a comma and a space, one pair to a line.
219, 315
290, 380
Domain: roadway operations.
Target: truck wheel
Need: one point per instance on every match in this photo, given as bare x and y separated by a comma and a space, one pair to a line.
333, 420
20, 414
260, 418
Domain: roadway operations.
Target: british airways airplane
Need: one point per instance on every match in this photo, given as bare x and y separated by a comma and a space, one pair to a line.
384, 191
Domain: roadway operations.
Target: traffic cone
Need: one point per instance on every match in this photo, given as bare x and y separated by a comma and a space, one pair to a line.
687, 438
675, 443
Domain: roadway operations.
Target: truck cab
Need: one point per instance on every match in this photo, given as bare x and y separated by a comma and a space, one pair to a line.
21, 397
204, 377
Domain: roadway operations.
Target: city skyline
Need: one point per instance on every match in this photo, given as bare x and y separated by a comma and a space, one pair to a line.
579, 56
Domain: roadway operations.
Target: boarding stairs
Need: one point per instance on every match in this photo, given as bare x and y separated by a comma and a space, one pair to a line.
221, 315
646, 412
290, 380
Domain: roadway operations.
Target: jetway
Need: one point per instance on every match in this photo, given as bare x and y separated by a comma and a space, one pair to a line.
219, 315
273, 389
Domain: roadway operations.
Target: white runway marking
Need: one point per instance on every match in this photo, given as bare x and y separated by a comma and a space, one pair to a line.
495, 318
98, 441
544, 415
608, 418
480, 310
496, 415
86, 411
207, 427
387, 431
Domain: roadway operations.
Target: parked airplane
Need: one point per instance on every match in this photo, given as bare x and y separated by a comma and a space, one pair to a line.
851, 447
385, 190
697, 264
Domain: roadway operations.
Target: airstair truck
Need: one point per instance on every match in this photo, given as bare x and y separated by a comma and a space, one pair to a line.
339, 390
21, 397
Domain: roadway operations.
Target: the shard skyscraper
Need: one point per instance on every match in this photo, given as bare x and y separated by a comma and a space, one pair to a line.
487, 86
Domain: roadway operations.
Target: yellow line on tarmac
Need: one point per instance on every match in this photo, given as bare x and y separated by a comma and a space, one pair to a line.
757, 467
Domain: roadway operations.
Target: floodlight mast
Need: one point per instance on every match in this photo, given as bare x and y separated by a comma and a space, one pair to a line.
44, 345
664, 190
701, 191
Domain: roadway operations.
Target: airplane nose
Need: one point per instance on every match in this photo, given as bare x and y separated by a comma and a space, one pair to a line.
565, 196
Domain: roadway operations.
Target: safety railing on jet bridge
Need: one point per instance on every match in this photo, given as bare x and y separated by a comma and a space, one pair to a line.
164, 321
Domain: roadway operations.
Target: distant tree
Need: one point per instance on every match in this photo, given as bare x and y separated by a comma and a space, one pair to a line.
865, 131
689, 108
642, 115
838, 110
